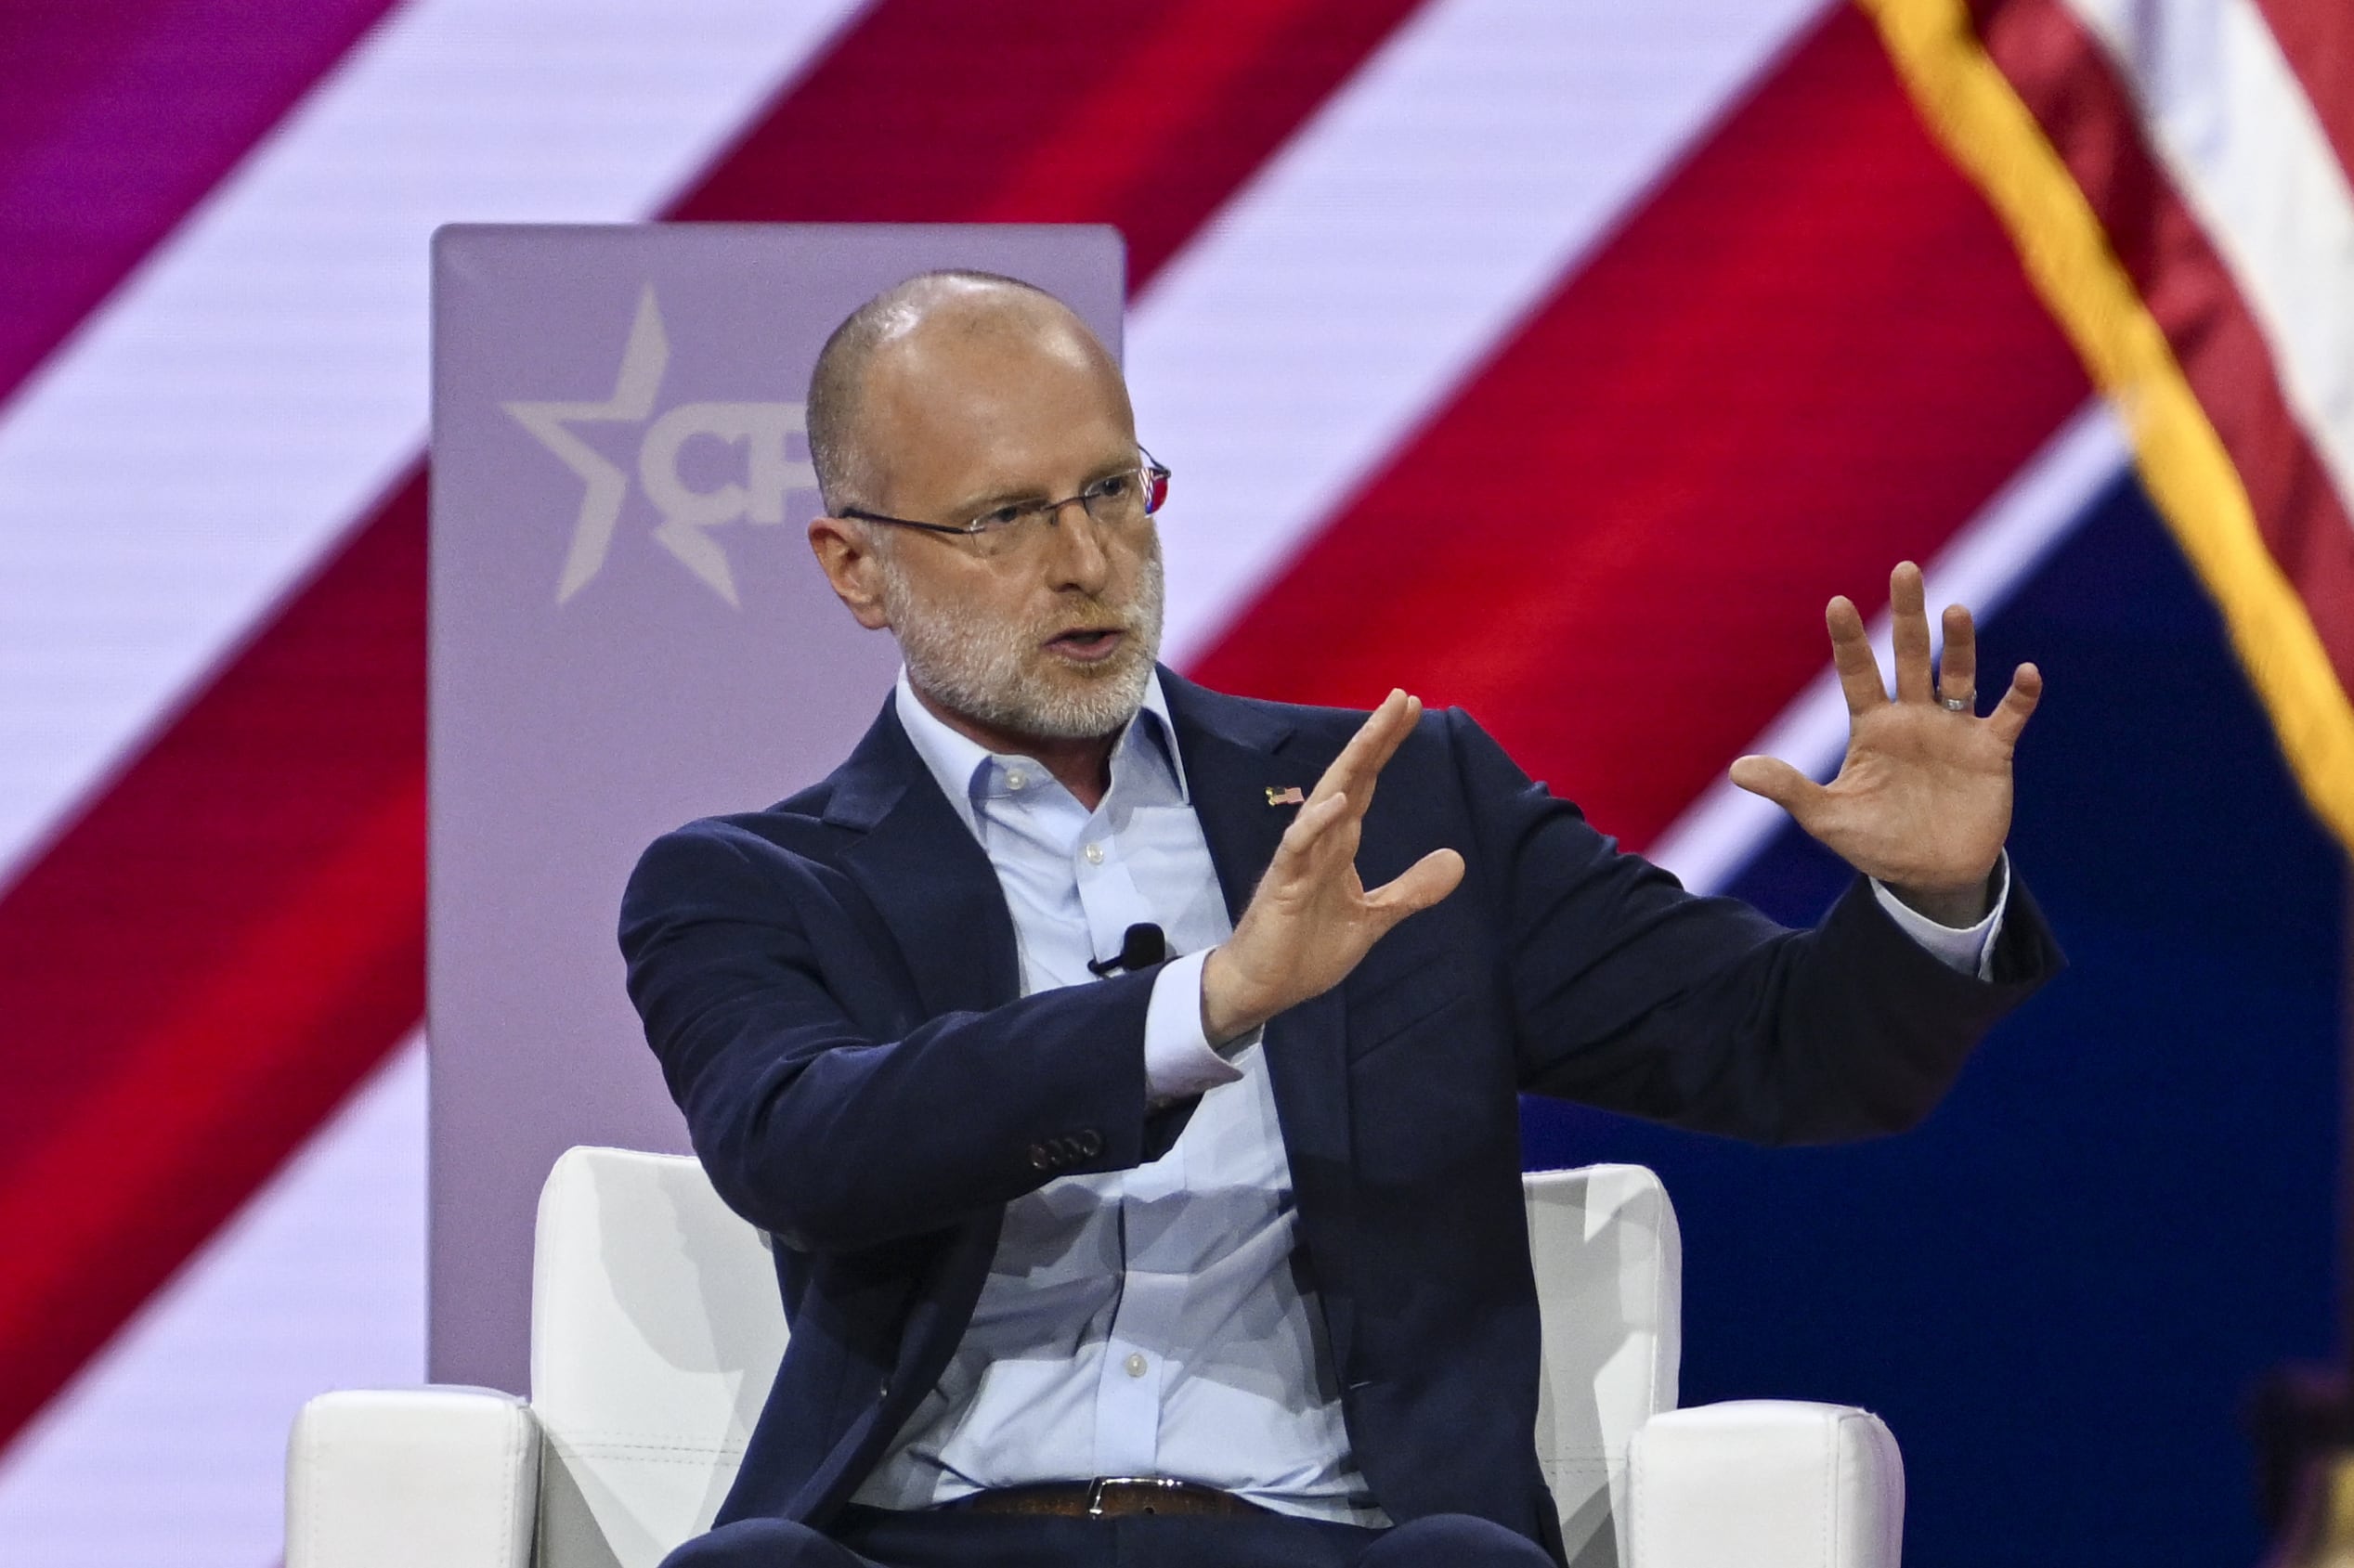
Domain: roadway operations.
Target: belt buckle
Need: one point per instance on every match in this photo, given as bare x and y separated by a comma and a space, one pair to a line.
1099, 1487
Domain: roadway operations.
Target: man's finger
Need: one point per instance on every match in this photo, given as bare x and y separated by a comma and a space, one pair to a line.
1368, 750
1852, 654
1400, 725
1419, 886
1908, 628
2011, 714
1958, 671
1779, 782
1314, 822
1344, 769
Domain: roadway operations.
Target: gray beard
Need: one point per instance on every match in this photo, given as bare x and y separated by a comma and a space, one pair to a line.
997, 675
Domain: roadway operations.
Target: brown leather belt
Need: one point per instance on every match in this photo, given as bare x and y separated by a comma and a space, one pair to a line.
1109, 1497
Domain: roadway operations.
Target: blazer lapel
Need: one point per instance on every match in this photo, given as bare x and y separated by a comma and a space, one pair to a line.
936, 892
1235, 752
922, 868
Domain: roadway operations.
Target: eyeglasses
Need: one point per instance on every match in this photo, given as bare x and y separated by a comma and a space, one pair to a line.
1115, 502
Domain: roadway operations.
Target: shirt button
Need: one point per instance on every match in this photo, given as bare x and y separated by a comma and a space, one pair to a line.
1094, 853
1017, 779
1136, 1363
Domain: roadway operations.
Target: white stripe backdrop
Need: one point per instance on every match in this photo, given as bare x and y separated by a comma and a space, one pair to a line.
219, 423
171, 1446
1340, 299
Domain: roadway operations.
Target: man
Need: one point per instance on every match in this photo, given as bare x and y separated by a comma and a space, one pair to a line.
1220, 1260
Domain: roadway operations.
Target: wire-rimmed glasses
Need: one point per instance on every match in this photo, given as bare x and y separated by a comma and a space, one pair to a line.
1115, 502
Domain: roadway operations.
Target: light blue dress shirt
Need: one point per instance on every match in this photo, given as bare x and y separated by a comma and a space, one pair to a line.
1147, 1322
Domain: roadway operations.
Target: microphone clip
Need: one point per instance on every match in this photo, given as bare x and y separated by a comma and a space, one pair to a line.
1142, 947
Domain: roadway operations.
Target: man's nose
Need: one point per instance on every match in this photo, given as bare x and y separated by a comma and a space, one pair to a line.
1077, 557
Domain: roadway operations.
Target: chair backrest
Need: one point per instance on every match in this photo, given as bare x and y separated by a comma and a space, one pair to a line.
656, 1332
1609, 1265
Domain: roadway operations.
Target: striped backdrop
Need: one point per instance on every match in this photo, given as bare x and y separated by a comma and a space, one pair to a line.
1552, 359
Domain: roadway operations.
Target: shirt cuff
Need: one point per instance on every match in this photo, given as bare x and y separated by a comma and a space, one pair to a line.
1179, 1062
1970, 950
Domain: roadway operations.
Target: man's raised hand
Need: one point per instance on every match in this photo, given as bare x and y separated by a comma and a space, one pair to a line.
1922, 800
1311, 920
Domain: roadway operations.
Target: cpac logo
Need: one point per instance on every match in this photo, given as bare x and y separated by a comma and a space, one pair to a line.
687, 514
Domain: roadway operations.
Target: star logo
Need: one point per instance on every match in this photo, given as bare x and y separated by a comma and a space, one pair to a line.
688, 513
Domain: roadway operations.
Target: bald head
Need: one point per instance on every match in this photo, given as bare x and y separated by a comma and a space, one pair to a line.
955, 396
881, 367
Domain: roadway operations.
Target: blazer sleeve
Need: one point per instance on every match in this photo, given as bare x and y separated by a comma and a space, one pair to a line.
1631, 994
768, 1007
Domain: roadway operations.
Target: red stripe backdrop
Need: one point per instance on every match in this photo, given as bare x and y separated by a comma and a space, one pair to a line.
117, 118
1713, 413
894, 124
211, 957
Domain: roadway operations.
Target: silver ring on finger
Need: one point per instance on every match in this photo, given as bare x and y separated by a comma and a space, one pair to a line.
1961, 704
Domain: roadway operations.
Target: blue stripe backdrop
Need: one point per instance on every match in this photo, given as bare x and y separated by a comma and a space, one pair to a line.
2060, 1291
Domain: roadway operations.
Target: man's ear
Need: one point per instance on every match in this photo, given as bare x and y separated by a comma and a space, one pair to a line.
847, 552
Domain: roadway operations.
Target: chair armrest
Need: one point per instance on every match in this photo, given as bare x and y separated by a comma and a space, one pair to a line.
1767, 1484
412, 1478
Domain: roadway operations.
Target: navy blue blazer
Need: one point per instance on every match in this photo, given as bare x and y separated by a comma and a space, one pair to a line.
833, 991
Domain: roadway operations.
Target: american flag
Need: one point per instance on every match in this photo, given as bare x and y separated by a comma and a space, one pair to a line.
1556, 358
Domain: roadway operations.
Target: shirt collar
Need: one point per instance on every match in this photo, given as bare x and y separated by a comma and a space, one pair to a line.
961, 764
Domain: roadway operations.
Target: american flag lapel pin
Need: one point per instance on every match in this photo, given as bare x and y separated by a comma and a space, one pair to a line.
1289, 796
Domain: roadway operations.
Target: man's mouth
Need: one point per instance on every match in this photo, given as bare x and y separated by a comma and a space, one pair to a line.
1087, 644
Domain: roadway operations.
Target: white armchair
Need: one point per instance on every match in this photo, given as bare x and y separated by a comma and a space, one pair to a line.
656, 1331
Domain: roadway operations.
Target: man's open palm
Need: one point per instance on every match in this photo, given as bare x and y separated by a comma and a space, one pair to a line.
1312, 919
1922, 800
